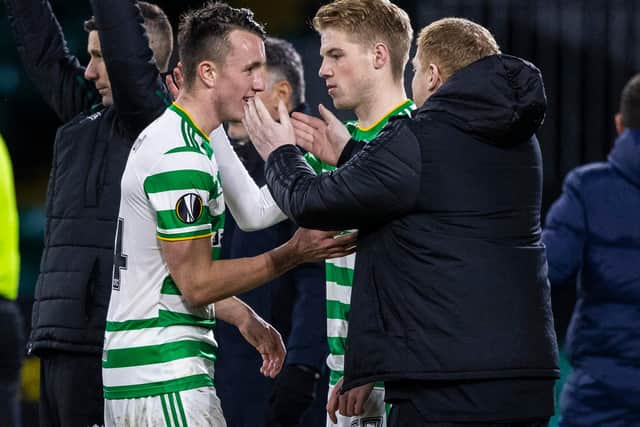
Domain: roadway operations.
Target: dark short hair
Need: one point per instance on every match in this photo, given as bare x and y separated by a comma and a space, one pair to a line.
630, 103
284, 61
158, 30
203, 34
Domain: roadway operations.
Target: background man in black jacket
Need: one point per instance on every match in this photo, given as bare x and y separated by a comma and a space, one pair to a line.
450, 301
105, 106
293, 303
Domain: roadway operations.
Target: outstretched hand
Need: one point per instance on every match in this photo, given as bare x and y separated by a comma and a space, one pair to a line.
316, 245
324, 137
267, 341
265, 133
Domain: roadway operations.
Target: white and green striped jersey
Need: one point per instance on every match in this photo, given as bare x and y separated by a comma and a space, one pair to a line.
155, 343
339, 271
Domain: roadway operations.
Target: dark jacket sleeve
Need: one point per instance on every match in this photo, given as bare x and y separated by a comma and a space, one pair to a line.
139, 95
564, 232
54, 71
307, 341
380, 182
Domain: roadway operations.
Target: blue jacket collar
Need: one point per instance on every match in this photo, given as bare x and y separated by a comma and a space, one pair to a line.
625, 155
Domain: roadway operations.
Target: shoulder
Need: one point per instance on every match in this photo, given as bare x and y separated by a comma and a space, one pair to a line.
588, 175
397, 131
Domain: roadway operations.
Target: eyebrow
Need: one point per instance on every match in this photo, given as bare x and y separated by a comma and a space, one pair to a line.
254, 65
332, 51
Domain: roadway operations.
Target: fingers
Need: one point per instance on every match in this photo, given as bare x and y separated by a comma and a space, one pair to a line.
250, 120
311, 121
343, 401
261, 110
358, 404
284, 115
171, 87
178, 75
332, 404
303, 139
347, 238
327, 115
274, 356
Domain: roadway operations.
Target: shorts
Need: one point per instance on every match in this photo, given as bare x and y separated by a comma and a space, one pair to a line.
199, 407
374, 415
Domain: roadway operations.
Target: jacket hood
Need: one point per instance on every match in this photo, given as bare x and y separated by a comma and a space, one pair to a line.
500, 98
625, 155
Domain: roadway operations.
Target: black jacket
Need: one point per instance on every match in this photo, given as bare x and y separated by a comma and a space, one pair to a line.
90, 153
451, 278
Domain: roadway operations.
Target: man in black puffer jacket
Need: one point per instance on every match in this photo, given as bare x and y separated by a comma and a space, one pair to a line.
450, 304
105, 106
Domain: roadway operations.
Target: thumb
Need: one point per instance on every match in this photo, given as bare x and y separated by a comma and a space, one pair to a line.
327, 115
285, 120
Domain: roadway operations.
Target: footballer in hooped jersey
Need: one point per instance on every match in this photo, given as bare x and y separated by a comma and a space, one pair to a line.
363, 63
159, 352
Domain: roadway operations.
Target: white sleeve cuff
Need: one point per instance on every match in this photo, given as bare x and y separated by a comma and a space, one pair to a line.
252, 207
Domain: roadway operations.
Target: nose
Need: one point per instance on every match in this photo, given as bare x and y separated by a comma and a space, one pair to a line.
324, 71
258, 82
90, 71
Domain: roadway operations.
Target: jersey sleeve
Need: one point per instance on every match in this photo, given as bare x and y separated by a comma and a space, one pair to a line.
185, 194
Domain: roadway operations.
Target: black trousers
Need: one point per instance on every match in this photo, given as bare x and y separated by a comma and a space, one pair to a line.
405, 414
11, 356
70, 390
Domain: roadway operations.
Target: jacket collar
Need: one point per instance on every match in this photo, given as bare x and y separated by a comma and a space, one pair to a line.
625, 155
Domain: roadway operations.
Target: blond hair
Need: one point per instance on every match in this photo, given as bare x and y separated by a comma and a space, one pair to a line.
454, 43
369, 22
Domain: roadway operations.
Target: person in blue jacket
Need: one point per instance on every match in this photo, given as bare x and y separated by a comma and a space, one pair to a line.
104, 106
293, 303
593, 230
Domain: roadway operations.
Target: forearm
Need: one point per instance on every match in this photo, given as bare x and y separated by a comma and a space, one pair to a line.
204, 281
53, 70
139, 95
232, 310
252, 207
378, 185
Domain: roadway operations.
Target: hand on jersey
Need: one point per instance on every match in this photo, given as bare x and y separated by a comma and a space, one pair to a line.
351, 403
266, 134
316, 245
267, 340
325, 137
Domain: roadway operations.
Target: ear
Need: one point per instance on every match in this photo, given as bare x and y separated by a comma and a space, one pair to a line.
619, 124
283, 91
434, 77
207, 73
381, 55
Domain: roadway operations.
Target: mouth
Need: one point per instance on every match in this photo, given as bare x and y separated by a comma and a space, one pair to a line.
331, 89
103, 90
246, 99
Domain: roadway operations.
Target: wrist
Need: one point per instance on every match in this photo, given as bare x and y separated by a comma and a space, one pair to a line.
236, 313
286, 256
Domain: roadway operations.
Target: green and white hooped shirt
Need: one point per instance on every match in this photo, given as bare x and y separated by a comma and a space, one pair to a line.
155, 343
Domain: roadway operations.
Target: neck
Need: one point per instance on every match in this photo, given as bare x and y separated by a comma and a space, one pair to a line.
381, 100
200, 109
